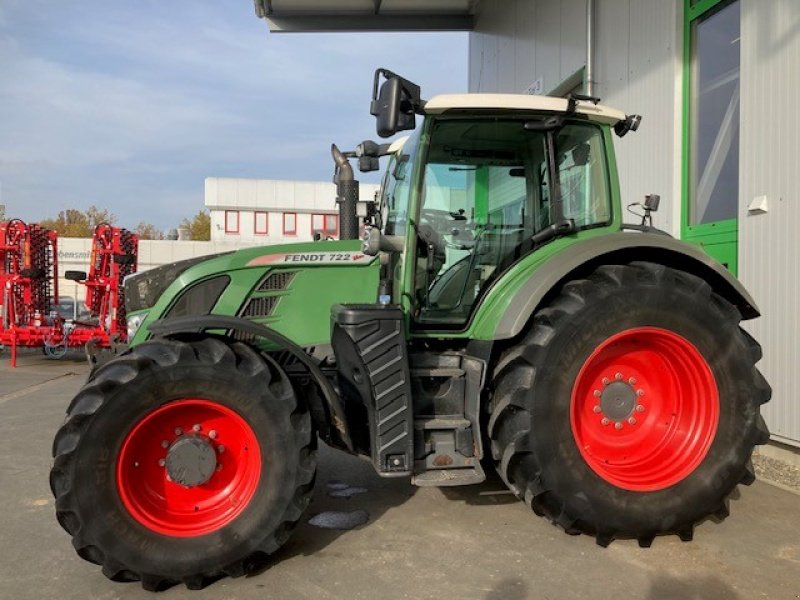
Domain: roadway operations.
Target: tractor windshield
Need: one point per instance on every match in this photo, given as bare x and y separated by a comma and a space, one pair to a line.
488, 186
396, 188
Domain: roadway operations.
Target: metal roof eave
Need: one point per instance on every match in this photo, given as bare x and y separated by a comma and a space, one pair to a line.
359, 22
298, 21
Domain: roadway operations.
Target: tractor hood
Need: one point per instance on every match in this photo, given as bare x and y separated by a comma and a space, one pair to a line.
289, 288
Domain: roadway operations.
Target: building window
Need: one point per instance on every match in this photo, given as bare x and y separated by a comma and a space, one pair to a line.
289, 223
231, 221
714, 116
332, 225
261, 223
711, 90
327, 225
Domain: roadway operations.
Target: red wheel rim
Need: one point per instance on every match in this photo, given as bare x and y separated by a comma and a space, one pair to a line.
644, 409
158, 501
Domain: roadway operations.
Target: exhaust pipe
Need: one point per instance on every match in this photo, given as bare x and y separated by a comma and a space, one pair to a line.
346, 195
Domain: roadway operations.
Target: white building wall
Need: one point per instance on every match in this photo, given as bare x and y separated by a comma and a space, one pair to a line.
638, 68
276, 197
769, 246
638, 48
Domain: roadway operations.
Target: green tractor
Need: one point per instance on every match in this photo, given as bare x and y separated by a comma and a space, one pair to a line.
497, 313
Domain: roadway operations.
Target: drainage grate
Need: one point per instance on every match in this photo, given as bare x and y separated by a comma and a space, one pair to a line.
276, 281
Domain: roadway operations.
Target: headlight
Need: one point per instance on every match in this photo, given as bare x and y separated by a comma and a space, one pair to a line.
134, 321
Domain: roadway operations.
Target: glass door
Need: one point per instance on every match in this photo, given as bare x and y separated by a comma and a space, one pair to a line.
711, 127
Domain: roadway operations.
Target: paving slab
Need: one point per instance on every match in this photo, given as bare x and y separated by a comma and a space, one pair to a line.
476, 542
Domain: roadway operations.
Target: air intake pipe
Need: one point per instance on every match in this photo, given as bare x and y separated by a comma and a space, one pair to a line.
346, 195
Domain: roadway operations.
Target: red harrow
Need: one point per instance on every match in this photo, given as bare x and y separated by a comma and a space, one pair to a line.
29, 280
28, 276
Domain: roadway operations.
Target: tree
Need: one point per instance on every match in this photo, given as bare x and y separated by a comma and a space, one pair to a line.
199, 226
75, 223
148, 231
97, 216
69, 223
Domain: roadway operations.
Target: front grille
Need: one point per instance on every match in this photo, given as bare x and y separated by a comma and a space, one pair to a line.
260, 307
276, 281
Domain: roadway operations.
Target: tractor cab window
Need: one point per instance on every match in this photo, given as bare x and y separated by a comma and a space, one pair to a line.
583, 175
486, 190
395, 190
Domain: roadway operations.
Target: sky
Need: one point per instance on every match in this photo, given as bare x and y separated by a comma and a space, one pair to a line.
130, 105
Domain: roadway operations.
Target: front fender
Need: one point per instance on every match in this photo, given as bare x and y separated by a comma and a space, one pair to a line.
199, 324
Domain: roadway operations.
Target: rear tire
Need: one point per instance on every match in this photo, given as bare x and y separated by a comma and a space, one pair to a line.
570, 439
111, 472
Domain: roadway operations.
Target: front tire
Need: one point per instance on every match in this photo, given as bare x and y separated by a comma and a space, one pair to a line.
182, 461
630, 408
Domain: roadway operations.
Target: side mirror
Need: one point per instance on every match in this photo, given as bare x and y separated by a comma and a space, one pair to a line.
75, 275
394, 106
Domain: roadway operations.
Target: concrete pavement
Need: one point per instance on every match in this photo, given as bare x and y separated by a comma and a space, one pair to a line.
476, 542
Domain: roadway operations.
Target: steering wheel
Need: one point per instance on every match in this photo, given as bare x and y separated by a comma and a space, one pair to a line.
433, 222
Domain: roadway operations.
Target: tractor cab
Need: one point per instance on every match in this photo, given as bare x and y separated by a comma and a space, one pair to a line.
484, 180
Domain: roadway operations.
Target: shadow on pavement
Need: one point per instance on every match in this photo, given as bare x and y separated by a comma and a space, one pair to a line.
335, 467
694, 587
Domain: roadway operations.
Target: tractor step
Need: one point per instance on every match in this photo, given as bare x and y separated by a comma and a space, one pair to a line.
442, 423
450, 477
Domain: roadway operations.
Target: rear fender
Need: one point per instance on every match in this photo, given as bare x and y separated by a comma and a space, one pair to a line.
581, 258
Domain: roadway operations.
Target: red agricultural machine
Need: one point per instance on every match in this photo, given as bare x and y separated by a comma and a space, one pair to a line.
29, 281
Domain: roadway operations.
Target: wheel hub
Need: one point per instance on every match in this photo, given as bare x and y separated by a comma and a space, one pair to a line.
618, 400
189, 467
644, 409
191, 460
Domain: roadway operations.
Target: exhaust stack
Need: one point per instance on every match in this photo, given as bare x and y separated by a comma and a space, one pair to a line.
346, 195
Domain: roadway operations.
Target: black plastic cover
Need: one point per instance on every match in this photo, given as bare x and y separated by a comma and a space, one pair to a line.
370, 347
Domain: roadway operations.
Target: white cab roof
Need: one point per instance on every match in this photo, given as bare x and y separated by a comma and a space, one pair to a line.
445, 102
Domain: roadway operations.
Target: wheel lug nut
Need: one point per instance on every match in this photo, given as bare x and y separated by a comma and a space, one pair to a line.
219, 466
632, 420
195, 427
606, 381
618, 376
212, 434
618, 425
597, 393
640, 393
168, 477
639, 408
165, 443
178, 431
597, 409
136, 464
632, 381
220, 448
161, 462
605, 421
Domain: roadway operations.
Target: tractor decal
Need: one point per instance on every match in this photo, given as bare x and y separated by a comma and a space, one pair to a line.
327, 258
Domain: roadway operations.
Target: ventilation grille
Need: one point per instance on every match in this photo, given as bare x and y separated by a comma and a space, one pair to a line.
260, 307
276, 281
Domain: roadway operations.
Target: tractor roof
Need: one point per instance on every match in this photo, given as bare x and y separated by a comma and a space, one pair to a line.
515, 102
